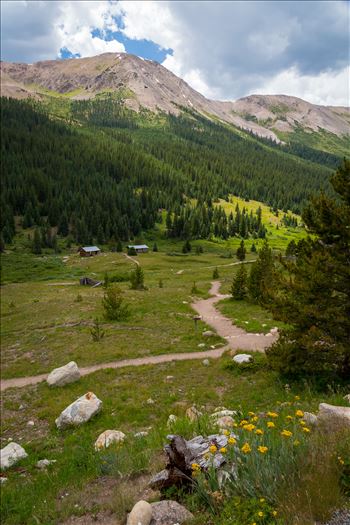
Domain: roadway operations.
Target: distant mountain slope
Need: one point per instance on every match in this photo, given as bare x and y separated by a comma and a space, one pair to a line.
144, 83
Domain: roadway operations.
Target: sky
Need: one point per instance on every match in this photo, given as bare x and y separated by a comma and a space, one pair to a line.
224, 50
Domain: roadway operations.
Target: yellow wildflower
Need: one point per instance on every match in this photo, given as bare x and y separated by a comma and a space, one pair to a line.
235, 425
226, 432
249, 427
212, 449
296, 443
262, 450
272, 414
271, 424
299, 413
243, 422
195, 466
305, 429
246, 448
259, 432
286, 433
251, 414
289, 418
231, 441
254, 419
341, 461
260, 514
262, 500
223, 450
296, 398
274, 513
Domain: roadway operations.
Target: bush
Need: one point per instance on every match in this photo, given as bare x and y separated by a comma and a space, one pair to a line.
97, 333
114, 306
137, 279
216, 274
132, 251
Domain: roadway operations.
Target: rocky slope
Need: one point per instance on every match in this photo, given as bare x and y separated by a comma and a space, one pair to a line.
148, 84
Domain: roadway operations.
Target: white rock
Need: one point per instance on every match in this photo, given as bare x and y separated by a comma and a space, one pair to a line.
30, 424
64, 375
201, 345
108, 437
208, 333
193, 413
171, 420
274, 330
169, 378
150, 401
11, 454
84, 408
242, 358
310, 419
141, 514
141, 434
347, 398
43, 463
205, 362
334, 415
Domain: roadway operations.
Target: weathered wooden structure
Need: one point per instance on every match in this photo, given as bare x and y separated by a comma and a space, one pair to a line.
89, 251
139, 248
87, 281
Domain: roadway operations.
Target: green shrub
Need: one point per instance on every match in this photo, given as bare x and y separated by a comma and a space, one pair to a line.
97, 332
137, 279
114, 306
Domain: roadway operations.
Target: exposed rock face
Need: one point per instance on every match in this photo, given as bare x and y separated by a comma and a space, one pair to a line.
83, 409
11, 454
334, 415
141, 514
145, 83
169, 512
242, 358
64, 375
108, 437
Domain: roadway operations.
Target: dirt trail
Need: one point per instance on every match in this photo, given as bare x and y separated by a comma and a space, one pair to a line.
236, 338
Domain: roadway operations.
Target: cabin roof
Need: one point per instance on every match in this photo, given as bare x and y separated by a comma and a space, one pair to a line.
138, 246
90, 249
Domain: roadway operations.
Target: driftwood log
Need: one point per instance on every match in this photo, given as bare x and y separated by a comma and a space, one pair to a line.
181, 454
87, 281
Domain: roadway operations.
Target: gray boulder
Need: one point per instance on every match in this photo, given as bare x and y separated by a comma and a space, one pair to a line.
11, 454
64, 375
242, 358
169, 512
141, 514
310, 419
83, 409
334, 415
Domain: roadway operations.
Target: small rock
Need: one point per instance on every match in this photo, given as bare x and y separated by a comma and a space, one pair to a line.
171, 420
274, 330
141, 514
205, 362
201, 345
11, 454
268, 334
335, 415
150, 401
208, 333
242, 358
43, 463
30, 424
64, 375
169, 512
310, 419
347, 398
83, 409
169, 378
193, 413
141, 434
108, 437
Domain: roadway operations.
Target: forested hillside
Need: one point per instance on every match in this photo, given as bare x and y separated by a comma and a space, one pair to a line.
104, 171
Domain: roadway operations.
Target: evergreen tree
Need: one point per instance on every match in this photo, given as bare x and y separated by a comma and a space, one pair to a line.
262, 276
291, 249
253, 248
314, 291
119, 246
239, 285
137, 279
186, 247
155, 247
114, 306
241, 251
36, 244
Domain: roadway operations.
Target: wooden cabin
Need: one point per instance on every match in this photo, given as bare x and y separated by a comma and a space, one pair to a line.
139, 248
88, 251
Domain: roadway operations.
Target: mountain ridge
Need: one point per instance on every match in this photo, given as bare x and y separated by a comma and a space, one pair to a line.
146, 83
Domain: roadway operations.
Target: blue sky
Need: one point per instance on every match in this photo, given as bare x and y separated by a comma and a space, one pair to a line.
225, 50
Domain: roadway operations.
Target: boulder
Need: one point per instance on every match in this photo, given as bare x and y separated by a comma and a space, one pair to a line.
108, 437
169, 512
242, 358
208, 333
11, 454
64, 375
83, 409
310, 419
141, 514
335, 415
193, 413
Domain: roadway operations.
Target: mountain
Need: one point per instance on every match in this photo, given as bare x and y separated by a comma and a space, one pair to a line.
145, 83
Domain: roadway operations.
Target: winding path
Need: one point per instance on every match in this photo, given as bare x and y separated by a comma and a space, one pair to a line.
236, 338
